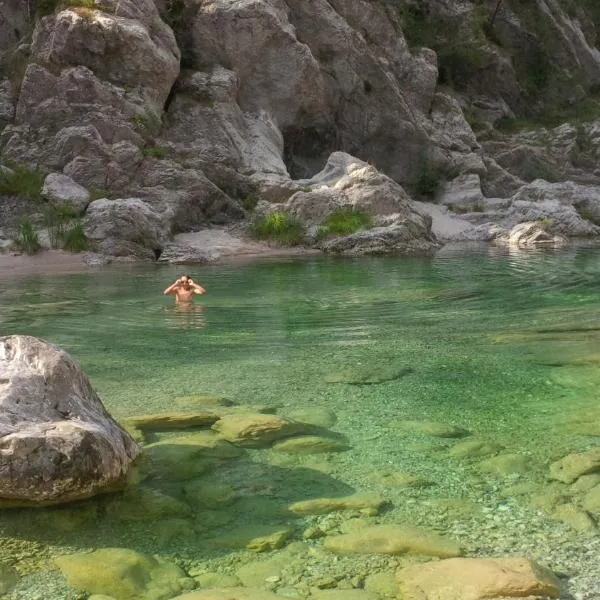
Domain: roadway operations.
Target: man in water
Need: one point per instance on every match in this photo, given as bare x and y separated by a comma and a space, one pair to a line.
184, 289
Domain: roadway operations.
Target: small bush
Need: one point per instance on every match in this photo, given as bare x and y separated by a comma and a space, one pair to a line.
345, 221
458, 64
428, 182
22, 181
155, 152
279, 227
74, 238
26, 238
545, 222
250, 201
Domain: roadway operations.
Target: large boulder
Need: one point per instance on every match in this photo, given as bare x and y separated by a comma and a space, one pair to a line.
411, 235
57, 441
531, 235
128, 223
347, 182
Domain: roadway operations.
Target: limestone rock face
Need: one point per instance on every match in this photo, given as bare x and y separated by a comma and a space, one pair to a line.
57, 442
477, 579
94, 86
256, 40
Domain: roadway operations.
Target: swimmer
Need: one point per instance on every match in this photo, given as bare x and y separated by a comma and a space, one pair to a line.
184, 289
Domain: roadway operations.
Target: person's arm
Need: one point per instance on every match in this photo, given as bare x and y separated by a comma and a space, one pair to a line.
198, 289
172, 288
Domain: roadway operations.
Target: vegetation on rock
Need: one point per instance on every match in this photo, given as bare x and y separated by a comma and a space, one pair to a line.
278, 227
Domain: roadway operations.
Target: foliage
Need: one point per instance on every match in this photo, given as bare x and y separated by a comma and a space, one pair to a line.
249, 202
155, 152
26, 238
74, 238
428, 181
545, 222
22, 181
66, 231
344, 221
56, 219
458, 63
278, 227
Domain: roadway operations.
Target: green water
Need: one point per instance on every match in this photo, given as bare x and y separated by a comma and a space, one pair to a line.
504, 345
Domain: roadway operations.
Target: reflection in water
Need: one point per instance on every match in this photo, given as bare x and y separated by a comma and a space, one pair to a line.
186, 315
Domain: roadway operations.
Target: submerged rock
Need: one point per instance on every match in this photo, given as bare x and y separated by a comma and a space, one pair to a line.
394, 540
235, 593
321, 506
255, 429
124, 574
310, 444
477, 579
57, 441
175, 420
435, 429
573, 466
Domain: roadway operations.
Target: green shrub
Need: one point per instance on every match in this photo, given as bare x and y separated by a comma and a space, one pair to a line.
279, 227
458, 64
26, 238
155, 152
428, 181
55, 219
345, 221
545, 222
22, 181
249, 202
74, 238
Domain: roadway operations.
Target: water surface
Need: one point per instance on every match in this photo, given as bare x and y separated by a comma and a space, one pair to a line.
502, 344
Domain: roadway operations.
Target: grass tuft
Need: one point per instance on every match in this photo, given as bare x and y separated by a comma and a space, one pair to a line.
279, 227
22, 181
26, 238
344, 221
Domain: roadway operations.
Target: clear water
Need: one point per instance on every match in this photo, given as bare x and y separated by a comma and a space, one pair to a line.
502, 344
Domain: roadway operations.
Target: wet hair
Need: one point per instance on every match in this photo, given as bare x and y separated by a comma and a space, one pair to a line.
186, 276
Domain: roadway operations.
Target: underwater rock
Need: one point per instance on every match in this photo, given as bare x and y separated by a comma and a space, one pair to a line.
591, 501
442, 430
124, 574
209, 494
573, 466
167, 421
309, 444
474, 449
505, 464
255, 429
8, 578
398, 479
235, 593
394, 540
384, 584
477, 579
57, 441
322, 506
577, 519
215, 580
313, 415
186, 457
255, 573
343, 595
147, 504
369, 375
257, 538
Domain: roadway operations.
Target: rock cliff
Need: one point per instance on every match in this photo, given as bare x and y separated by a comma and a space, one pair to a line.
179, 111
